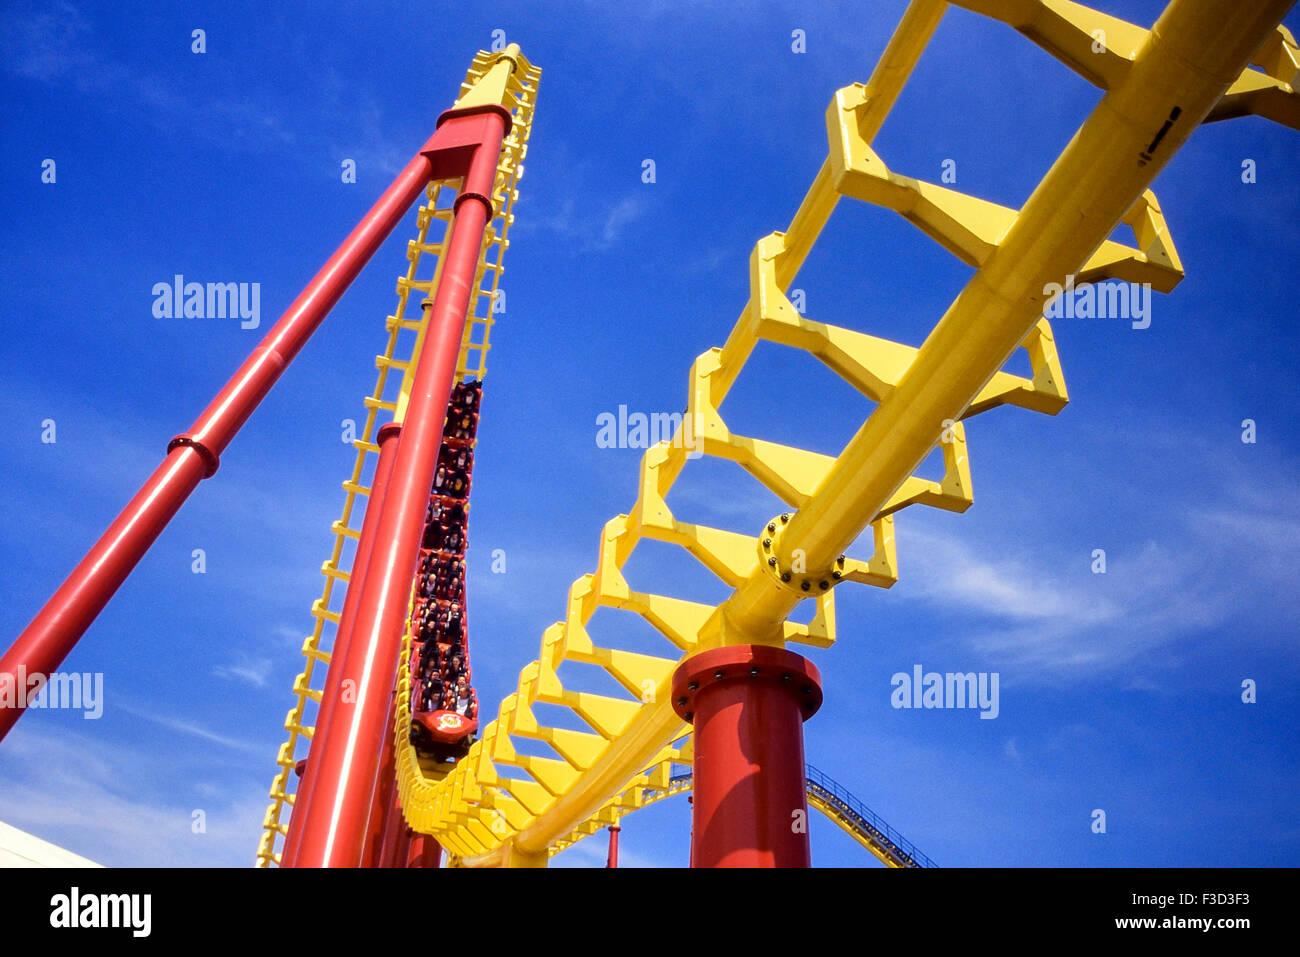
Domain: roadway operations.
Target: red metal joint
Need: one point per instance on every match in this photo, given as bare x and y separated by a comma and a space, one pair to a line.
455, 112
792, 673
454, 150
210, 460
487, 203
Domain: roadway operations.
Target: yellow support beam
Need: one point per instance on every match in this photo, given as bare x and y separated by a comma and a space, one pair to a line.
1193, 54
498, 805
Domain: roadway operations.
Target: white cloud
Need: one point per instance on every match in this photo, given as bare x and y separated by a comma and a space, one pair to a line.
254, 671
44, 44
1052, 617
56, 46
82, 795
189, 727
622, 214
592, 230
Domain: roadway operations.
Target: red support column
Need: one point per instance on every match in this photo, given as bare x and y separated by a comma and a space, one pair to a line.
748, 704
392, 849
612, 860
423, 851
384, 801
396, 853
345, 758
342, 664
194, 455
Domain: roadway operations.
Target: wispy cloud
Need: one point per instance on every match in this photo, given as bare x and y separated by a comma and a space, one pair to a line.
592, 230
53, 45
73, 791
45, 43
190, 728
1051, 623
254, 671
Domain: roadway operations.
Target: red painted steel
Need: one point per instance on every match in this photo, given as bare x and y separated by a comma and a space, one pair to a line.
612, 860
397, 849
193, 456
346, 757
423, 851
384, 801
343, 664
748, 704
392, 846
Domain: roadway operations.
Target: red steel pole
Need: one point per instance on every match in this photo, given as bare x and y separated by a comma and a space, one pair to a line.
397, 836
423, 851
383, 802
612, 860
387, 439
346, 756
748, 704
194, 455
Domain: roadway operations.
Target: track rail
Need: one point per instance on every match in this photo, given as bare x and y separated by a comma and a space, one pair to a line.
503, 806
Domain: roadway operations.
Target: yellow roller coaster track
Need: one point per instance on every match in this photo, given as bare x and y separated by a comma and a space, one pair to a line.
499, 806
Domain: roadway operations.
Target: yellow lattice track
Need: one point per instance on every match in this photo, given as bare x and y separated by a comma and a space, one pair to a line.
501, 806
399, 355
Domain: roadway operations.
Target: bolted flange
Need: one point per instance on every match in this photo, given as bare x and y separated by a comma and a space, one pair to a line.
793, 673
791, 575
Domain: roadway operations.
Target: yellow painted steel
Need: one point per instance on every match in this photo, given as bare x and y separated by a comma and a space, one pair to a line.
503, 804
1190, 57
509, 79
1102, 48
499, 804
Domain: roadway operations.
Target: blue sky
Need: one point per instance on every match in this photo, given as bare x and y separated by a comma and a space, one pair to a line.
1118, 691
